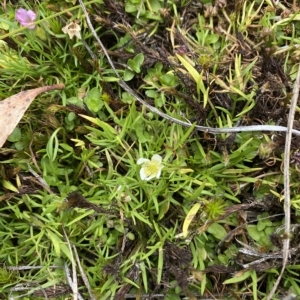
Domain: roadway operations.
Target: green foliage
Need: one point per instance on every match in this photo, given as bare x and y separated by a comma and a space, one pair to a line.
6, 277
93, 100
134, 65
262, 231
146, 11
214, 208
69, 170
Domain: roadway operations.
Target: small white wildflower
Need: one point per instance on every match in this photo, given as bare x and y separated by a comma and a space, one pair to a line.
72, 29
125, 198
122, 196
150, 168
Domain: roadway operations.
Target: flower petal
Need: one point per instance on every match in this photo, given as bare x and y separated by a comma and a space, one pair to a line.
78, 34
31, 15
143, 175
72, 29
25, 17
21, 15
150, 177
156, 157
71, 34
158, 173
65, 29
142, 160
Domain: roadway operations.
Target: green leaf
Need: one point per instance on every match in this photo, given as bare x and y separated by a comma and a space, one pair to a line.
128, 75
139, 59
130, 282
71, 116
110, 79
151, 93
160, 264
197, 192
261, 225
144, 276
134, 66
212, 38
155, 5
142, 135
186, 135
168, 80
15, 136
127, 98
53, 145
217, 231
55, 242
80, 217
75, 101
201, 87
106, 127
239, 277
160, 100
136, 62
157, 69
141, 218
152, 250
6, 184
93, 100
255, 233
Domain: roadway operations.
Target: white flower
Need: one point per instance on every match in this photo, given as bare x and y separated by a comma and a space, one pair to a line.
150, 168
72, 29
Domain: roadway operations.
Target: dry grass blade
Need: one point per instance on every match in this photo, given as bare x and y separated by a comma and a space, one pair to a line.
22, 287
70, 281
287, 202
73, 283
83, 276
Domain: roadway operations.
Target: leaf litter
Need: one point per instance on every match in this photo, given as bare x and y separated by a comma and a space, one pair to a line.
13, 108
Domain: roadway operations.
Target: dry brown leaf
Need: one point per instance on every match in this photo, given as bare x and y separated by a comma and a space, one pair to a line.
13, 108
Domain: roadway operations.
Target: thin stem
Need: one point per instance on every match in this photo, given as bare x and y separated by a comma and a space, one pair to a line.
287, 196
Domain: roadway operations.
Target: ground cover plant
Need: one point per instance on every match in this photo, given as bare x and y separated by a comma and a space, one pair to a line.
141, 177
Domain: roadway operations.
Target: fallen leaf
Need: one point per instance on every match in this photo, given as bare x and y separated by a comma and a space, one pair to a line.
13, 108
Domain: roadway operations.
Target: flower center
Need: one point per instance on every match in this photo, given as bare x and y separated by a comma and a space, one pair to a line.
151, 168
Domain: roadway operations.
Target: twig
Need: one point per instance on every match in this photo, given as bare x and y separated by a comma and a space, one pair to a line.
19, 268
41, 181
212, 130
287, 196
146, 296
21, 287
33, 157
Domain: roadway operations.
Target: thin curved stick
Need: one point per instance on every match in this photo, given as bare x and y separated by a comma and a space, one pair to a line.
286, 172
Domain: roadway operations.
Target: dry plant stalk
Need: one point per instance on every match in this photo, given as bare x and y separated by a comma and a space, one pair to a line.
287, 196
